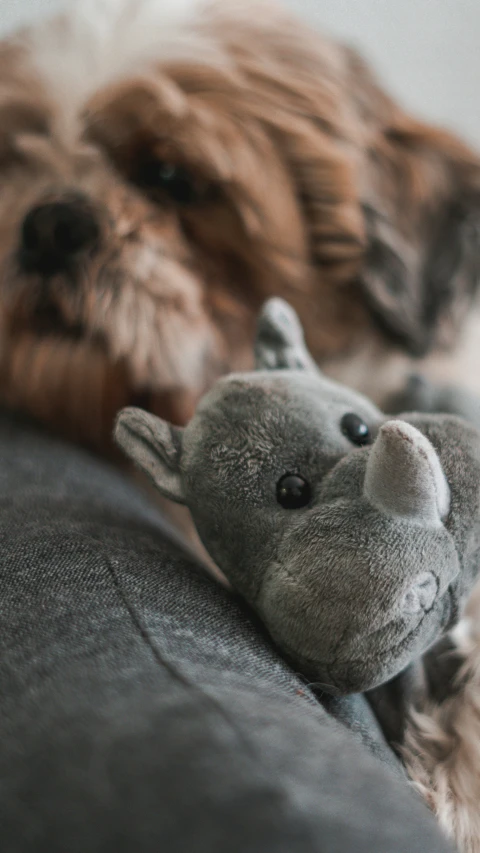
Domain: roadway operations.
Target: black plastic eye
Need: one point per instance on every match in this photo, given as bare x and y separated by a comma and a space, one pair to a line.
355, 429
293, 492
175, 181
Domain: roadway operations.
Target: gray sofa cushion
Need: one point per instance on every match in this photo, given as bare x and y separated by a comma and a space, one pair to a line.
142, 709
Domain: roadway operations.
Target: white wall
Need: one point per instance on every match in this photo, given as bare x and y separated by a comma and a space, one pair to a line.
427, 51
18, 12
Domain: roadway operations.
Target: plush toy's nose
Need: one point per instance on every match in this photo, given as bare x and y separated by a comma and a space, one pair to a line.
421, 594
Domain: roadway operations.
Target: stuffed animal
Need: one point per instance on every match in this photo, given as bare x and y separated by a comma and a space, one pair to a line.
355, 537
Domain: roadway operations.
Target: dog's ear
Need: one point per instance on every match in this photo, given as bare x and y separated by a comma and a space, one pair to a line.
155, 446
409, 287
422, 263
280, 343
452, 268
390, 279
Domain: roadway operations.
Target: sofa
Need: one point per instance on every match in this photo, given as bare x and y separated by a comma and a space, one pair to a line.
143, 709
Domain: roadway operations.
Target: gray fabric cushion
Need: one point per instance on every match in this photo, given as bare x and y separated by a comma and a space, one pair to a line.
141, 708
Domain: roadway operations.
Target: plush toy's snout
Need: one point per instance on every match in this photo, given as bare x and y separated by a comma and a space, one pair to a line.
421, 594
343, 597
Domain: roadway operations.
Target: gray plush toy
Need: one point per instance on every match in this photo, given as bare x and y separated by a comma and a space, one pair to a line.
355, 537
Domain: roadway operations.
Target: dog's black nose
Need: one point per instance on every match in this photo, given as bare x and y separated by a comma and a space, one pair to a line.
54, 234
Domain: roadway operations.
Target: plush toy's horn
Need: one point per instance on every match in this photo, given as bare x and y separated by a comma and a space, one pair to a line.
404, 476
280, 344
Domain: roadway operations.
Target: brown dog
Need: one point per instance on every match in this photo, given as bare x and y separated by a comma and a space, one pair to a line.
167, 166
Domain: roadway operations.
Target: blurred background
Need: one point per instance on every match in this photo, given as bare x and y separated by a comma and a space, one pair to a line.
426, 51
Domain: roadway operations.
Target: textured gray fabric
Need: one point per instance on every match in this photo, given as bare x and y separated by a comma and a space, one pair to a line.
141, 709
361, 579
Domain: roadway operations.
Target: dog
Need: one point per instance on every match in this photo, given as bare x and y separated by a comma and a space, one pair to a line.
167, 166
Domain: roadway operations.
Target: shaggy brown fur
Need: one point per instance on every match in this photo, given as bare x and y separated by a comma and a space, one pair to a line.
442, 746
304, 179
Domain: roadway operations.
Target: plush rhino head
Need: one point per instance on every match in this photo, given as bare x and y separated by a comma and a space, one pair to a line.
326, 516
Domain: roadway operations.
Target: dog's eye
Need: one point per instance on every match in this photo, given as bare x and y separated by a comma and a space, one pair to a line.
293, 492
174, 181
355, 429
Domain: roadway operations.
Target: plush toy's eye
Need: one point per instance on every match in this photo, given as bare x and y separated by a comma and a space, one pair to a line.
175, 181
355, 429
293, 492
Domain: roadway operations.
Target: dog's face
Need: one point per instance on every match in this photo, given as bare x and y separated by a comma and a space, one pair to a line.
138, 227
153, 201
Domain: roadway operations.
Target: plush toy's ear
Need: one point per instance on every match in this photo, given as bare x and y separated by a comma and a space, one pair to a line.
155, 447
280, 344
404, 476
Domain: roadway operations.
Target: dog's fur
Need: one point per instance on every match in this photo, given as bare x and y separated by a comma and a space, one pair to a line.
442, 745
308, 182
